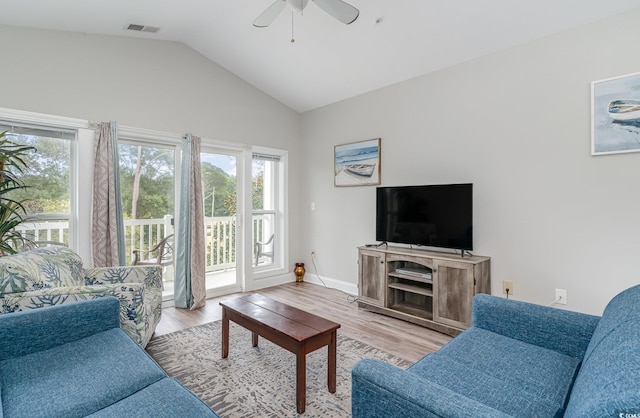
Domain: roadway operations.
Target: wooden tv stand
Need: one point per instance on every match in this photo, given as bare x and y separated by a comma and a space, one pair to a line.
428, 288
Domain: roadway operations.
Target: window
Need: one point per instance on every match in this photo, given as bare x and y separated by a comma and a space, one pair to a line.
265, 203
147, 184
60, 200
147, 187
48, 199
220, 208
218, 169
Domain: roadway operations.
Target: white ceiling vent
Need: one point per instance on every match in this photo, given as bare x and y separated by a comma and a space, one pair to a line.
142, 28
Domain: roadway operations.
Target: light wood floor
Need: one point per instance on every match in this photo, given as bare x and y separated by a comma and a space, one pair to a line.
394, 336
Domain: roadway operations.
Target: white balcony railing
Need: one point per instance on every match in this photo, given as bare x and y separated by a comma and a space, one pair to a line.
143, 234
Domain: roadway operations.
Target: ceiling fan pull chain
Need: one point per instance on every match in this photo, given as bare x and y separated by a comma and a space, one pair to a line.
292, 37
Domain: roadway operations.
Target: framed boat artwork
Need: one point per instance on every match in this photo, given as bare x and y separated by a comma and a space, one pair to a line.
357, 163
615, 115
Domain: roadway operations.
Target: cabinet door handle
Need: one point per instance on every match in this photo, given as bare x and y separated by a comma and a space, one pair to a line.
381, 261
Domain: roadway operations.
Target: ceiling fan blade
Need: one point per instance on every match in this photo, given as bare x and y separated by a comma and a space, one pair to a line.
342, 11
268, 16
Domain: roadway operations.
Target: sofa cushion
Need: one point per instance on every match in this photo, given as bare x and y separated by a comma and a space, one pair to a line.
509, 375
164, 399
77, 378
40, 268
609, 379
555, 329
32, 331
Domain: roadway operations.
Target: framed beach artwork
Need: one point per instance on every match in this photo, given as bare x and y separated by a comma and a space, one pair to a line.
615, 115
357, 163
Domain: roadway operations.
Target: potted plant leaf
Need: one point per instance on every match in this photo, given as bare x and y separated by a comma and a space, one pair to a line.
12, 212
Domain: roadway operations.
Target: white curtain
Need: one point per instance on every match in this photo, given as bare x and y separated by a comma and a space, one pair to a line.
107, 232
190, 281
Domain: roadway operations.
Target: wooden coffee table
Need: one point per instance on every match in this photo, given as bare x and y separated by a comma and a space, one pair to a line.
292, 329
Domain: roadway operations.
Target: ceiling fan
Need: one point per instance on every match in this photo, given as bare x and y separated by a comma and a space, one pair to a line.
340, 10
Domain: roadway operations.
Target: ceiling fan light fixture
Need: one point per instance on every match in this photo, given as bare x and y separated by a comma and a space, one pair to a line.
338, 9
298, 5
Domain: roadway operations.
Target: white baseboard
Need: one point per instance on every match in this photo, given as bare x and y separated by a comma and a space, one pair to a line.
273, 281
349, 288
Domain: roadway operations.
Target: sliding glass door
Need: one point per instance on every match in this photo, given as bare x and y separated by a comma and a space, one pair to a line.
245, 199
147, 177
150, 172
219, 187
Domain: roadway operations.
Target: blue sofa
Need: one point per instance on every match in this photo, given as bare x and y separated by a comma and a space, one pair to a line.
73, 360
517, 360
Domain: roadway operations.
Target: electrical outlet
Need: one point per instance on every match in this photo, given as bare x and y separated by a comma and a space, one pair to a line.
507, 284
561, 296
313, 255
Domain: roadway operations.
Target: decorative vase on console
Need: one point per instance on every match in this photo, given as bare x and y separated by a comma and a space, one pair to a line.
299, 272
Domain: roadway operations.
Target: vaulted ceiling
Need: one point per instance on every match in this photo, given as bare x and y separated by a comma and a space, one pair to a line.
391, 41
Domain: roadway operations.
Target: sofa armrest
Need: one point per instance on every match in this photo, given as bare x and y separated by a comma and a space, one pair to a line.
381, 390
563, 331
151, 276
31, 331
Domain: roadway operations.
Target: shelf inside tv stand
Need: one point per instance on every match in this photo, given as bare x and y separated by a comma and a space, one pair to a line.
413, 310
419, 290
431, 289
409, 277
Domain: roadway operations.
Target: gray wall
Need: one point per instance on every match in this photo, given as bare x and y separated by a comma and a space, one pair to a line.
517, 125
159, 85
156, 85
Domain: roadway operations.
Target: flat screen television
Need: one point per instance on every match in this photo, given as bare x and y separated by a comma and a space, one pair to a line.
432, 215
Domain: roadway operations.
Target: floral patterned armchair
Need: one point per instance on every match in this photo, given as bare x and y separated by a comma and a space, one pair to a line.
54, 275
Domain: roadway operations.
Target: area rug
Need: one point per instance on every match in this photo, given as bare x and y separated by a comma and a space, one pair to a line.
258, 381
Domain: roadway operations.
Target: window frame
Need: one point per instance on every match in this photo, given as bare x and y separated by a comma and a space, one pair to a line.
270, 274
82, 161
43, 217
81, 131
